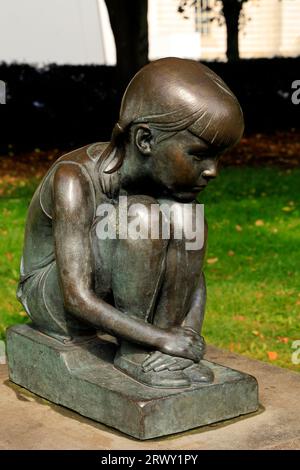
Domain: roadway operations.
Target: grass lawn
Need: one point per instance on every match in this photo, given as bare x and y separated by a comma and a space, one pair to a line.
252, 267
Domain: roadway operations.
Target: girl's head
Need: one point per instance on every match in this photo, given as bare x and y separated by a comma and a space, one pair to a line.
173, 94
172, 97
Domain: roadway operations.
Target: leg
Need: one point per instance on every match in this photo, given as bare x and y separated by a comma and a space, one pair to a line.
135, 272
182, 299
183, 272
153, 280
43, 301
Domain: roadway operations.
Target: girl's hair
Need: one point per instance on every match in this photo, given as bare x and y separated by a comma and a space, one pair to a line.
171, 95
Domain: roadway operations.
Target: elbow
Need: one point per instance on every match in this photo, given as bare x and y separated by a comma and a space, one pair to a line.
76, 299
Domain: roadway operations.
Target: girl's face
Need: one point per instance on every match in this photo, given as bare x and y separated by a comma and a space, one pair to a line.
183, 165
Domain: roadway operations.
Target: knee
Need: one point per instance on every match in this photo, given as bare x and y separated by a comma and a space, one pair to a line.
143, 221
185, 221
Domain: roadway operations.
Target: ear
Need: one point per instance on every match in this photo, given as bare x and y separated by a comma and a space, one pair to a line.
143, 139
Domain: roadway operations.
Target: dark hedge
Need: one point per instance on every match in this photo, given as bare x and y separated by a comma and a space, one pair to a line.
67, 106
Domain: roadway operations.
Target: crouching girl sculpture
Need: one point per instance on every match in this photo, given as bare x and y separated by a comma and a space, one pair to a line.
176, 119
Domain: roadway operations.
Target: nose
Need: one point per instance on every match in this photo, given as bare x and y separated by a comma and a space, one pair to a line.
210, 172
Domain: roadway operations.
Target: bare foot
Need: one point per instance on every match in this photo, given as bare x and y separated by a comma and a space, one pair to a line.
159, 361
129, 359
197, 373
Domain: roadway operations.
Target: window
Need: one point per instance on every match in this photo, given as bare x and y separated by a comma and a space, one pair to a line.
203, 11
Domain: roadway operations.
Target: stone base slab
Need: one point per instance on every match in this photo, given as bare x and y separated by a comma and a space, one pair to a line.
82, 377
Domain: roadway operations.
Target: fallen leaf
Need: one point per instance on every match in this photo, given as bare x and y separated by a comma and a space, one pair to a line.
238, 228
239, 317
9, 256
23, 314
212, 260
287, 209
231, 253
259, 223
255, 333
272, 355
283, 339
259, 295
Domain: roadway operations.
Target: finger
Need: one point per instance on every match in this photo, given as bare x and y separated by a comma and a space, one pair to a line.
189, 328
151, 358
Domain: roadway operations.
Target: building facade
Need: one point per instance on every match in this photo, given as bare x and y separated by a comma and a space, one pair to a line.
268, 28
78, 31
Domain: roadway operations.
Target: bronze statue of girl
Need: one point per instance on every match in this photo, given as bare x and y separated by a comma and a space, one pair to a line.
176, 119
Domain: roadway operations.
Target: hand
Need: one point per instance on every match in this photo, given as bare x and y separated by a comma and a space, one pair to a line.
183, 342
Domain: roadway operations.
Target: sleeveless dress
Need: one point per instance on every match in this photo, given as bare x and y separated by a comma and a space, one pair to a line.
39, 290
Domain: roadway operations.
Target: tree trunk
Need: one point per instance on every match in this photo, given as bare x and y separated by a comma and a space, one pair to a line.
129, 24
231, 11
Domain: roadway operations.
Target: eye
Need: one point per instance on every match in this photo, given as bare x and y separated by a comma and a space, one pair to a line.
198, 157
